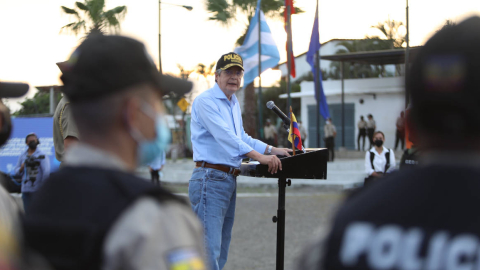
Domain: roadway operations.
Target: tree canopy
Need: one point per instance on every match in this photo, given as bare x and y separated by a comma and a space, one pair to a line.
92, 18
38, 104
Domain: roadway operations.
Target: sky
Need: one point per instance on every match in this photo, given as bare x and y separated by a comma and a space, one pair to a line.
31, 42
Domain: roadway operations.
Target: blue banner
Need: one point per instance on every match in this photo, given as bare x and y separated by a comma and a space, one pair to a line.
15, 146
313, 49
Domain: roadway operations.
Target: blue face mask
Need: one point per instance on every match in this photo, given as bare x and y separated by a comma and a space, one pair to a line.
148, 151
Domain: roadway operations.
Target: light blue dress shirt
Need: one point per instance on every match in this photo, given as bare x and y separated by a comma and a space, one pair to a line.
157, 163
217, 130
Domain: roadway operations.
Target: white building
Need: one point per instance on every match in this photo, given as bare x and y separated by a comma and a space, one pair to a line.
384, 98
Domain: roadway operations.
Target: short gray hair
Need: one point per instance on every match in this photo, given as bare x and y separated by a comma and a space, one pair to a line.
98, 117
218, 71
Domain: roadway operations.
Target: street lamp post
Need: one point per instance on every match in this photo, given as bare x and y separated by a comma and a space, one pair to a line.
189, 8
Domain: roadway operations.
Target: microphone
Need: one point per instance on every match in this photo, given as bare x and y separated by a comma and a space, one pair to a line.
277, 111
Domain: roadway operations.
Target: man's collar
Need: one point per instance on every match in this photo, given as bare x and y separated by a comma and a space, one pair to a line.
218, 93
84, 155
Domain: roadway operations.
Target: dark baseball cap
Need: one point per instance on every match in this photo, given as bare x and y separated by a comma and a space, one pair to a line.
444, 82
13, 90
229, 60
104, 65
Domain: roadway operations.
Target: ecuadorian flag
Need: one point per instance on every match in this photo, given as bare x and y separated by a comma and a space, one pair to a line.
294, 135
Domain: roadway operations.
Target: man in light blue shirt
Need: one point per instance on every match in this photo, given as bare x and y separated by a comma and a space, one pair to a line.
33, 173
219, 144
155, 167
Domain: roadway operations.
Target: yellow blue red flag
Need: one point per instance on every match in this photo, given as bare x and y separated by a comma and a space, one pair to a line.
294, 135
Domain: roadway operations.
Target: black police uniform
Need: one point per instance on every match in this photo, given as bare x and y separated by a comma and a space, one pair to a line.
71, 234
424, 218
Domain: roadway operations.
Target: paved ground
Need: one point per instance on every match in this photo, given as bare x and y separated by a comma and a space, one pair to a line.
253, 243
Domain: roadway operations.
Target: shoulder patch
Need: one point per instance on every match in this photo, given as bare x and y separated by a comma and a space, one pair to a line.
185, 259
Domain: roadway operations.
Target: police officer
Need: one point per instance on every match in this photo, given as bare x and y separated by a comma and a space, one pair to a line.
94, 213
65, 133
425, 217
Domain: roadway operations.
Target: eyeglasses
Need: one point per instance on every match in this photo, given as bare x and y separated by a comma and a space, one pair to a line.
239, 73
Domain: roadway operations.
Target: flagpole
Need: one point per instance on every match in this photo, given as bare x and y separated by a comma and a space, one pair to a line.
318, 81
407, 56
260, 110
289, 48
291, 131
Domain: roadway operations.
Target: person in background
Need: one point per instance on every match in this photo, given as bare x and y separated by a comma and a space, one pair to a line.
330, 132
65, 132
156, 167
379, 160
283, 137
270, 133
303, 132
95, 213
400, 133
371, 127
33, 166
426, 217
411, 156
362, 132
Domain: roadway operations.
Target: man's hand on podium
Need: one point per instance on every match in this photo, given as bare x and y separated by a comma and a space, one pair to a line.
272, 161
281, 151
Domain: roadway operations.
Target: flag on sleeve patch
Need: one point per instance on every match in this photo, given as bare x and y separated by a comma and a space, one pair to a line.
185, 259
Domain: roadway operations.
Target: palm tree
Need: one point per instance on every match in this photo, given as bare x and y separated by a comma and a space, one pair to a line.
95, 19
391, 30
205, 71
358, 70
226, 12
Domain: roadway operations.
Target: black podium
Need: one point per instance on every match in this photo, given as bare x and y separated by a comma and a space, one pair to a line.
309, 165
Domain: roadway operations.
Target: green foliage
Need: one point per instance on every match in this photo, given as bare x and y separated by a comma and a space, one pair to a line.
184, 74
205, 71
359, 70
391, 30
273, 93
39, 104
226, 12
95, 19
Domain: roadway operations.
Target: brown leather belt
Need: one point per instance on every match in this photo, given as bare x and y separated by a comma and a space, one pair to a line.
223, 168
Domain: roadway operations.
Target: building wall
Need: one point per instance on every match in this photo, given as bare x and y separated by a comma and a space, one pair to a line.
385, 107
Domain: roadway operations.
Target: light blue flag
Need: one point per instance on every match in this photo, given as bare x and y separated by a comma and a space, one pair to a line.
249, 50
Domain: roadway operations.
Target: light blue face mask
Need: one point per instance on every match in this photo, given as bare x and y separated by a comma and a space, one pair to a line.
148, 151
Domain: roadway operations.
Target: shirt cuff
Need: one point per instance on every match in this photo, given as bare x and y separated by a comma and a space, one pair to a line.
260, 147
245, 149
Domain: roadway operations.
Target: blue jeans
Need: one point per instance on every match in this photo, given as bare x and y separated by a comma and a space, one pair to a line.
213, 195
